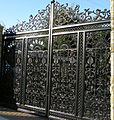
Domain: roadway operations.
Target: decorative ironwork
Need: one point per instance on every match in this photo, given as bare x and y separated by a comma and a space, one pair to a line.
39, 21
17, 77
76, 83
65, 42
36, 72
97, 72
64, 73
63, 15
18, 70
13, 65
88, 26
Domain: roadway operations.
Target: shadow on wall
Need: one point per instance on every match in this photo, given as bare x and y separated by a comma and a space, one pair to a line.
6, 83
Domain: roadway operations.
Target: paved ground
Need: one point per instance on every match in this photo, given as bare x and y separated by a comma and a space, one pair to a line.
9, 114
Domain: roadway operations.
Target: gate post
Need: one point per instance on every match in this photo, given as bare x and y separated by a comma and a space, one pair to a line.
49, 62
112, 60
1, 29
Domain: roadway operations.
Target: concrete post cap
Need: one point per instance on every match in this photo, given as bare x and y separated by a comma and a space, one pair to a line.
1, 26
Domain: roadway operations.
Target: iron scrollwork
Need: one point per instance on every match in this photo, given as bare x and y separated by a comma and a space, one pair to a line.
36, 72
64, 74
80, 62
97, 74
63, 15
13, 66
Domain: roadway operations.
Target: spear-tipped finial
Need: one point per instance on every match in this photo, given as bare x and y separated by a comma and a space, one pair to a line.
52, 1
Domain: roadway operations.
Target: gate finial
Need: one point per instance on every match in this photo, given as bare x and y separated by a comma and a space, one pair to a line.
52, 1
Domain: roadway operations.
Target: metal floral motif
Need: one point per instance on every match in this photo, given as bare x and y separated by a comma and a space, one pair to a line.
63, 15
38, 44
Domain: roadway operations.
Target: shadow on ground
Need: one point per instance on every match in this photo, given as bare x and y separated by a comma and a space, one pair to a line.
10, 114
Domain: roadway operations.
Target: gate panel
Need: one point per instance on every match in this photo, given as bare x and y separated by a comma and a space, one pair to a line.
64, 75
13, 69
18, 70
97, 72
36, 73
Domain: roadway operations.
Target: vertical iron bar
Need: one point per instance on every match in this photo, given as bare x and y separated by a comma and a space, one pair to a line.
2, 56
80, 74
77, 76
22, 59
24, 70
83, 71
49, 62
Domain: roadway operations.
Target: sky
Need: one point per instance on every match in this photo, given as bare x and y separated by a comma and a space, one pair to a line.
16, 11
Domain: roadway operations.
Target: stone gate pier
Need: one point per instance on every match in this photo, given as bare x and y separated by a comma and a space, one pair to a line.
1, 30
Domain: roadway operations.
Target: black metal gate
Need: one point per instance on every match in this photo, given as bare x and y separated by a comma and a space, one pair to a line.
62, 72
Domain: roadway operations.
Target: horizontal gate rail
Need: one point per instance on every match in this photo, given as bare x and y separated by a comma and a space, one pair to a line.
81, 24
105, 25
33, 31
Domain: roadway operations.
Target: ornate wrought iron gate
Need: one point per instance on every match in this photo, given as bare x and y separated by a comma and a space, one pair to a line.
63, 71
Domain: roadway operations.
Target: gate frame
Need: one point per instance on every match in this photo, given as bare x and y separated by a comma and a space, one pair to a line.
51, 34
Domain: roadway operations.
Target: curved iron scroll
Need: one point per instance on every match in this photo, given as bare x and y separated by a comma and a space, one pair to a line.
97, 74
63, 15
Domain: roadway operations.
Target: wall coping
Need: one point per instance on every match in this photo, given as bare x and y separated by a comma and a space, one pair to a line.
1, 28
